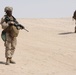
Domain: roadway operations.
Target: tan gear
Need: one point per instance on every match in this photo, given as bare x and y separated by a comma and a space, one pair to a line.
8, 9
13, 31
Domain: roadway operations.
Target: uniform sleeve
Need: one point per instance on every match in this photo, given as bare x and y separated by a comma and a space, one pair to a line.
3, 23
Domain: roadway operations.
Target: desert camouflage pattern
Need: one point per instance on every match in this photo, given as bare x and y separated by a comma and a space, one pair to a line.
10, 42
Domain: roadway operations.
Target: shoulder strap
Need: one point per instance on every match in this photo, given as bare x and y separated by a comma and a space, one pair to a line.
8, 19
14, 18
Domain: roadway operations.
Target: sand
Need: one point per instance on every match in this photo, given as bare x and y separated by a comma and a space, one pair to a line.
49, 48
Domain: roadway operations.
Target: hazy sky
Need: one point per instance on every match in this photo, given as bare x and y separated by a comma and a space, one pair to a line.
39, 8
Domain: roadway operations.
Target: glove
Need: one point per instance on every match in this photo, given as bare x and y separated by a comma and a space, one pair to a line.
11, 23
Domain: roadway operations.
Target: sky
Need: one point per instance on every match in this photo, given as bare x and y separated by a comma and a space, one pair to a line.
39, 8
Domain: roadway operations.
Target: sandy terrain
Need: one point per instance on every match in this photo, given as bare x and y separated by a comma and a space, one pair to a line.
49, 48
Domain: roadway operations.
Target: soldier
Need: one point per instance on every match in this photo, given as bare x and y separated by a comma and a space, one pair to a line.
10, 42
74, 17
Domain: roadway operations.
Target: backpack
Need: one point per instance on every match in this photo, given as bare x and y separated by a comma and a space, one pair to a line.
3, 35
12, 30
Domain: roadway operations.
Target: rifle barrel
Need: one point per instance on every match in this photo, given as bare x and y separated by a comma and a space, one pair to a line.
26, 30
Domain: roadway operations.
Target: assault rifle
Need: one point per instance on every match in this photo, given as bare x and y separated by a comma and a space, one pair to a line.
16, 23
21, 26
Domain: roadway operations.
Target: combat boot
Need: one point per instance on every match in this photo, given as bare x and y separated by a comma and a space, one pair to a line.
7, 61
11, 61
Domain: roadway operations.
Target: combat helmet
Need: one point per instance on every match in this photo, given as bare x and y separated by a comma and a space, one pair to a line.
8, 9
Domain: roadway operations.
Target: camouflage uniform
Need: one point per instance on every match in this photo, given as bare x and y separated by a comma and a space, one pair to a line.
10, 42
74, 17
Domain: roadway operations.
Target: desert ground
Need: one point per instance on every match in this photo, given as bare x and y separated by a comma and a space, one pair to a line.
49, 48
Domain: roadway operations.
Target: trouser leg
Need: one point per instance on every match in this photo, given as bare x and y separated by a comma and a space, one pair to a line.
8, 52
13, 45
10, 45
8, 49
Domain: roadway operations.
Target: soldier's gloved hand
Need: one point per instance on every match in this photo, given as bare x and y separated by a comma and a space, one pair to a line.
11, 23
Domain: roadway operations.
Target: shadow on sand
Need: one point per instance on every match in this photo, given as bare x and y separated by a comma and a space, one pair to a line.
66, 33
1, 62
